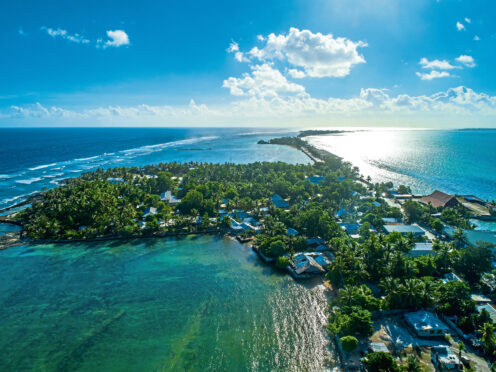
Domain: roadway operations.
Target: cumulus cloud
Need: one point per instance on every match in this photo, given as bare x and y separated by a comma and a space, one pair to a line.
63, 34
295, 73
316, 54
263, 81
238, 55
460, 26
466, 60
436, 64
468, 20
116, 38
476, 38
433, 75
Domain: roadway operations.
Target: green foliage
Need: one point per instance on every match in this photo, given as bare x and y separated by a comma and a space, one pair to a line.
453, 298
381, 362
349, 320
349, 343
474, 261
282, 262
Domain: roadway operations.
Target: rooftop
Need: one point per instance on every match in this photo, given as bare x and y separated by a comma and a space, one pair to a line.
439, 199
404, 229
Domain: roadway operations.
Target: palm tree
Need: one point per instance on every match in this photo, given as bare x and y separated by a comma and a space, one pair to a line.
460, 238
461, 347
487, 337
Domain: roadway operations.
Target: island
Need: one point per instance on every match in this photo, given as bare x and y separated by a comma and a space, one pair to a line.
399, 266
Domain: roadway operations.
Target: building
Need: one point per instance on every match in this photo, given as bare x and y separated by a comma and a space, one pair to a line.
291, 232
473, 236
421, 249
340, 213
392, 221
451, 277
426, 324
115, 180
480, 299
315, 242
169, 198
439, 199
404, 229
316, 179
350, 228
378, 347
305, 264
490, 309
279, 202
443, 358
150, 212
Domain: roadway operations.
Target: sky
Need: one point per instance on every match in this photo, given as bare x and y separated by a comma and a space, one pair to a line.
298, 63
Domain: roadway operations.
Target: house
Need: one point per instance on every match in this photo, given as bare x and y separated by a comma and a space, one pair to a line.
340, 213
421, 249
439, 199
150, 212
305, 264
480, 299
375, 203
451, 277
322, 248
279, 202
490, 309
315, 242
404, 229
316, 179
426, 324
115, 180
378, 347
252, 221
392, 221
350, 228
443, 358
291, 232
169, 198
473, 236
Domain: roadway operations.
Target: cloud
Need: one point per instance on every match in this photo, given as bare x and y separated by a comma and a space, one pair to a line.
466, 60
116, 39
468, 20
297, 74
476, 38
436, 64
318, 55
263, 81
239, 56
63, 34
460, 26
433, 75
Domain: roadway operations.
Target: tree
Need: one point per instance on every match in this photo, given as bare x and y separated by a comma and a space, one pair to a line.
413, 365
413, 211
474, 261
381, 362
453, 298
192, 200
349, 343
487, 337
282, 262
277, 248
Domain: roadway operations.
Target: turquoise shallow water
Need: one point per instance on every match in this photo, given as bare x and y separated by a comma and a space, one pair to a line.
197, 304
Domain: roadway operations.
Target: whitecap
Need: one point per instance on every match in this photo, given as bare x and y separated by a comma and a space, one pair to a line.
85, 159
42, 166
29, 181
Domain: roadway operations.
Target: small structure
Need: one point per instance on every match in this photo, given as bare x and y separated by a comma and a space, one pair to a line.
490, 309
378, 347
443, 358
439, 199
279, 202
404, 229
169, 198
149, 212
480, 299
115, 180
291, 232
315, 242
252, 221
426, 324
421, 249
451, 277
305, 265
392, 221
350, 228
473, 236
340, 213
316, 179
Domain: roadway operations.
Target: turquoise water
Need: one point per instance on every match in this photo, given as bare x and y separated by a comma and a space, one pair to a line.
454, 161
194, 304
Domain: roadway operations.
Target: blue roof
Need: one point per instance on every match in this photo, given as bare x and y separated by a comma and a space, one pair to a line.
340, 213
279, 202
292, 231
316, 179
404, 229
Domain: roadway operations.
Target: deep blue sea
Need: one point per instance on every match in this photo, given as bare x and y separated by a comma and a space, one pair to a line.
36, 158
453, 161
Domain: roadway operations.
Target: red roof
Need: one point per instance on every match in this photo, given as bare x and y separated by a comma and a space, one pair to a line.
439, 199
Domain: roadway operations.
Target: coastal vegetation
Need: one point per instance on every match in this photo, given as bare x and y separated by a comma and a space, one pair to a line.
325, 209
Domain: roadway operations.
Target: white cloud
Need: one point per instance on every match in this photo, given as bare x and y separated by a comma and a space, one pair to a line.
63, 34
454, 103
468, 20
476, 38
117, 38
466, 60
460, 26
433, 75
295, 73
239, 56
260, 38
263, 81
317, 54
436, 64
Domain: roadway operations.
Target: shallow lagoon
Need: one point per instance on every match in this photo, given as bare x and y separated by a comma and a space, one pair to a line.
201, 303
